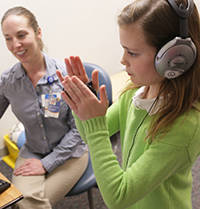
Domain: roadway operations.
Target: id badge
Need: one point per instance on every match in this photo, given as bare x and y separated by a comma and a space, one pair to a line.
51, 103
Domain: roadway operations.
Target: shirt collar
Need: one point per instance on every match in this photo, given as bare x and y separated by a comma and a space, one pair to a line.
51, 68
145, 104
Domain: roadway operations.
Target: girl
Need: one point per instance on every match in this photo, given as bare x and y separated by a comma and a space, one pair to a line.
157, 114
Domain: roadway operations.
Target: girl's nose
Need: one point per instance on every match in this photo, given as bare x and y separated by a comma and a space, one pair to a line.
124, 61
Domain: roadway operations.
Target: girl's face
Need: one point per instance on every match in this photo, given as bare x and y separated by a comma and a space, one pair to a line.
138, 57
21, 39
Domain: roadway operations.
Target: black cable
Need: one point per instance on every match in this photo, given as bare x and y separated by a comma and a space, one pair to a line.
143, 121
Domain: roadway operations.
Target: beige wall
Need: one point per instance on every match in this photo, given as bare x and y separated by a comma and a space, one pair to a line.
197, 2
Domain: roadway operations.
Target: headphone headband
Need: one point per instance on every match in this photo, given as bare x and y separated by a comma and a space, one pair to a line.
183, 13
181, 10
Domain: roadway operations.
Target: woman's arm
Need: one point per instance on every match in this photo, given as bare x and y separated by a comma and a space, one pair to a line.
4, 103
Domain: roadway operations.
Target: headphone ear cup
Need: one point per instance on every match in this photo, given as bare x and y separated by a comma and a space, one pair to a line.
175, 57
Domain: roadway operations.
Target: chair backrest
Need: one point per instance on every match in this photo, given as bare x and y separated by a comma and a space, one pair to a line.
104, 78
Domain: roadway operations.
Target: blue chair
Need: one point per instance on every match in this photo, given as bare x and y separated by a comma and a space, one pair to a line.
85, 183
21, 140
88, 181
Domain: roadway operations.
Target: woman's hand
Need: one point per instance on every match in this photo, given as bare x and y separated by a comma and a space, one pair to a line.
30, 167
82, 101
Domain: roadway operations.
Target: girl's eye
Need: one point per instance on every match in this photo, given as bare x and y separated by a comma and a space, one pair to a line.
132, 54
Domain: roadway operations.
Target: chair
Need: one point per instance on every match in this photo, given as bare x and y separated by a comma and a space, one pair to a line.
88, 181
85, 183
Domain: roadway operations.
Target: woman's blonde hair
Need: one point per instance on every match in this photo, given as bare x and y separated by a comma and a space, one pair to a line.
21, 11
160, 24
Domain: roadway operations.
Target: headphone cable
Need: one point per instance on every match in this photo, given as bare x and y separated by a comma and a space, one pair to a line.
143, 121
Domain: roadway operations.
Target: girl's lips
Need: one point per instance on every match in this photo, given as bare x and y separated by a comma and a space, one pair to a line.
128, 73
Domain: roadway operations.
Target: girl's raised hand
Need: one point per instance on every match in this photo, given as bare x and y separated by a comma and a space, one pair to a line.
75, 67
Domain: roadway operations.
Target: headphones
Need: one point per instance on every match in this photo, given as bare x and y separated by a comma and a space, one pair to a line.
179, 54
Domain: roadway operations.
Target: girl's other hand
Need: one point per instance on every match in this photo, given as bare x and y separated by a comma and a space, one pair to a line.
82, 101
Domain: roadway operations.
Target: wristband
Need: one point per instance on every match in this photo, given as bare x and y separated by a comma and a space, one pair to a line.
89, 85
67, 93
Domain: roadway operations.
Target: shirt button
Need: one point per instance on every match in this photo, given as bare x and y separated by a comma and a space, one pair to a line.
41, 125
38, 113
44, 137
36, 99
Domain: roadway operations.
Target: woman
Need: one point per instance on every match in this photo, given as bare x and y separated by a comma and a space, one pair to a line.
54, 156
157, 114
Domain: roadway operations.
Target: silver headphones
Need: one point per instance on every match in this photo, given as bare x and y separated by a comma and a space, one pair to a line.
179, 54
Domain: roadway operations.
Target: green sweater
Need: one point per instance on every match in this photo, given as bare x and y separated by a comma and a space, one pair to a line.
158, 175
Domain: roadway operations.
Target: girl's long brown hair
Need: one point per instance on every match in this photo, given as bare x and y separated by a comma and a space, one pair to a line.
160, 24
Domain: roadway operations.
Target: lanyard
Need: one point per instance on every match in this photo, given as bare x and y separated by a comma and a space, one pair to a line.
50, 80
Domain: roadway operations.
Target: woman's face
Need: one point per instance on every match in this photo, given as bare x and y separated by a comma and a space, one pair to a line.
21, 39
138, 56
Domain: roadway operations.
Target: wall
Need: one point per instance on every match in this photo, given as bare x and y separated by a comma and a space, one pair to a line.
197, 2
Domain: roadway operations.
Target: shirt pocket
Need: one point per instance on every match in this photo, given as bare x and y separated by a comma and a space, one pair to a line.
64, 108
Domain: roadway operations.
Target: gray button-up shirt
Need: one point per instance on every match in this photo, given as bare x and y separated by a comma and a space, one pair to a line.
52, 140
